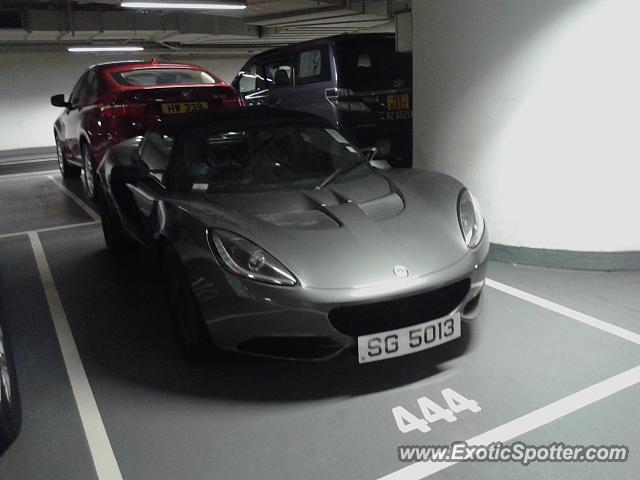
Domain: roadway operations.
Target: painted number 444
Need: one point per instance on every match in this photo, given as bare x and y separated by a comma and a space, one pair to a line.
432, 412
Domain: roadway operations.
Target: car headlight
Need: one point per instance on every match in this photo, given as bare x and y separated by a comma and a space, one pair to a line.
248, 260
470, 218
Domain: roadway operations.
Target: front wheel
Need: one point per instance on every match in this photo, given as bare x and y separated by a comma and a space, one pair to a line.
67, 171
89, 171
188, 324
10, 411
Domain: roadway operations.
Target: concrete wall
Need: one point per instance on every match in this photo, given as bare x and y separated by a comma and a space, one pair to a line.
27, 81
534, 105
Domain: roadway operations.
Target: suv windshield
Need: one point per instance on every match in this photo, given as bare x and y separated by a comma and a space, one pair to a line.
372, 64
163, 76
264, 158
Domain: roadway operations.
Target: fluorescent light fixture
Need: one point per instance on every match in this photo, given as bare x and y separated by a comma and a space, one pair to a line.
184, 5
126, 48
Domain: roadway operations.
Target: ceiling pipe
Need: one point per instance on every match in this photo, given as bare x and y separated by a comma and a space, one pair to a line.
70, 19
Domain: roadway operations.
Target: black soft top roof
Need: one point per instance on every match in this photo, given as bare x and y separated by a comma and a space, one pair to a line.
231, 118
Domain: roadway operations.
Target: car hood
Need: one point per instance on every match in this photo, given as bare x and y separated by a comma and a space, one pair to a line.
349, 234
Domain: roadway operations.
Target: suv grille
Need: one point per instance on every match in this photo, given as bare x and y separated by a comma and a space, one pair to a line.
356, 320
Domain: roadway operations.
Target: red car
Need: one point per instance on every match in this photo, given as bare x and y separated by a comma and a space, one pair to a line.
115, 101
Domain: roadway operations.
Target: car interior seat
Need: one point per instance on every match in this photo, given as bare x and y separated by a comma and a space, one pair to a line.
281, 78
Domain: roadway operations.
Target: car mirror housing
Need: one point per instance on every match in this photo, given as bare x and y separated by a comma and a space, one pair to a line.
59, 101
369, 152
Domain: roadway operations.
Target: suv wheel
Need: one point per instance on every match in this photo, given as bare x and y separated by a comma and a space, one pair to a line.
67, 171
89, 172
10, 411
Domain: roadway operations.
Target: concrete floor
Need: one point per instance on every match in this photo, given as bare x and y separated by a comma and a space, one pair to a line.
255, 418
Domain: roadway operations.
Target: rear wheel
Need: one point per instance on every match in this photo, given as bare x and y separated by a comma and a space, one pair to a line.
89, 171
10, 411
188, 324
67, 171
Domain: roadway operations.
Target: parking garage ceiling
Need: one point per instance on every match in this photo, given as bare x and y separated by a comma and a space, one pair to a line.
40, 25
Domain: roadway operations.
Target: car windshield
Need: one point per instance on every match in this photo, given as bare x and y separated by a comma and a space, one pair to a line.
264, 158
163, 76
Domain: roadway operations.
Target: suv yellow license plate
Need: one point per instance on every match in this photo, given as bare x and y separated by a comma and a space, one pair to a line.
184, 107
398, 107
398, 102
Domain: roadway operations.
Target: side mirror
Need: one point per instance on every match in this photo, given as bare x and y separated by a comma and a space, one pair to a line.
59, 101
369, 152
128, 175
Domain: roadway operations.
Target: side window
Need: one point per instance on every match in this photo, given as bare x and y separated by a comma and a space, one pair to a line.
312, 65
156, 153
89, 92
74, 98
251, 79
279, 73
364, 60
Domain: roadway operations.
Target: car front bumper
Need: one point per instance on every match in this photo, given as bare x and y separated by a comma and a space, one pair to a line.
306, 323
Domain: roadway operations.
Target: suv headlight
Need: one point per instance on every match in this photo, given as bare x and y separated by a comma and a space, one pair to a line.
470, 218
246, 259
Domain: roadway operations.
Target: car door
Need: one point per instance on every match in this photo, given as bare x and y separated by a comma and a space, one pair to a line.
279, 76
252, 85
155, 153
84, 107
70, 119
312, 77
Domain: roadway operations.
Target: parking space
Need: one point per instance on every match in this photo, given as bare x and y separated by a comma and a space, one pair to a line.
243, 417
52, 432
32, 201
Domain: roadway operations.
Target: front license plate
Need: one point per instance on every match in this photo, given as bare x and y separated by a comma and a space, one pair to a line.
403, 341
183, 107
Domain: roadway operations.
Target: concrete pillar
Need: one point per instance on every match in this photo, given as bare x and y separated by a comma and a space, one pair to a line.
535, 106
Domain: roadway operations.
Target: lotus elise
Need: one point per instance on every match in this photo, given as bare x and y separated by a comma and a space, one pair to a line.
278, 237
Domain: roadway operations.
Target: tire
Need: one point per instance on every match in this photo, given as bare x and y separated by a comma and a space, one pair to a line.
67, 171
10, 409
115, 240
191, 334
89, 172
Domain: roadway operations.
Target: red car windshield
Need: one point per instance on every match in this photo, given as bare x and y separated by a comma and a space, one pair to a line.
164, 76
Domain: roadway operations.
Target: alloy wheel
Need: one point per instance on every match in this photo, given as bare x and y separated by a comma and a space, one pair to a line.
5, 376
88, 172
60, 156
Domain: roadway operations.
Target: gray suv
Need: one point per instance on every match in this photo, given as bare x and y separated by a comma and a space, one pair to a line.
358, 82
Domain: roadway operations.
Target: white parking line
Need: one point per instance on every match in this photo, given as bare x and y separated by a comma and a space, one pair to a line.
104, 459
528, 422
34, 160
90, 211
14, 176
567, 312
48, 229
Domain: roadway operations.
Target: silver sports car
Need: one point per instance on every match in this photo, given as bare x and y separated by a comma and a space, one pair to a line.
278, 237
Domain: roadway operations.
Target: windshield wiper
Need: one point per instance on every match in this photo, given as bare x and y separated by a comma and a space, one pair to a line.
339, 171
